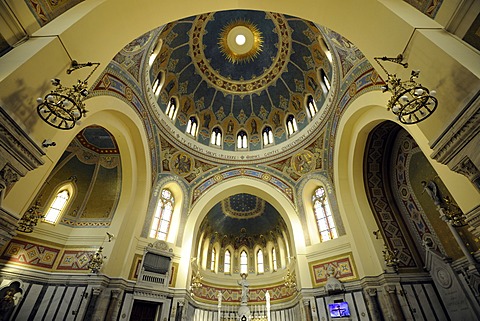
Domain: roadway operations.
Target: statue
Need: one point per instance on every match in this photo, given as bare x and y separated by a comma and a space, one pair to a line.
431, 188
243, 282
219, 296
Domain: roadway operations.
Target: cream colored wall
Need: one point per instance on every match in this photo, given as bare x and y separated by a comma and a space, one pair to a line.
97, 30
119, 119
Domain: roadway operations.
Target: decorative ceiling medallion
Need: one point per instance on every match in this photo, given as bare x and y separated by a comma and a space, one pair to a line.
303, 162
181, 163
240, 41
268, 73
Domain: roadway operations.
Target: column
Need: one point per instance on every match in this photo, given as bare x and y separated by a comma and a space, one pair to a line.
112, 307
448, 219
373, 304
178, 316
92, 304
395, 303
308, 310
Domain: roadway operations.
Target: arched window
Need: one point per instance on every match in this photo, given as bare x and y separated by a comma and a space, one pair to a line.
323, 215
325, 49
324, 81
216, 138
243, 262
157, 84
226, 263
213, 260
192, 126
155, 52
57, 206
311, 106
260, 268
291, 124
274, 260
242, 139
163, 215
171, 110
267, 135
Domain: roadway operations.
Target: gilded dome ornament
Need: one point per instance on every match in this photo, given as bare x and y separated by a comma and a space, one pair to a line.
240, 41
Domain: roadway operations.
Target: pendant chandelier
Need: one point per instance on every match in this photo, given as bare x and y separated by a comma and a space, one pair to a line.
410, 102
63, 107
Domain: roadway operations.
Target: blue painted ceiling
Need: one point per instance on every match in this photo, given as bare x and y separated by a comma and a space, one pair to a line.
240, 95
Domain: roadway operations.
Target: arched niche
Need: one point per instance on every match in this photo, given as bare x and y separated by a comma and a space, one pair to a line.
358, 120
230, 187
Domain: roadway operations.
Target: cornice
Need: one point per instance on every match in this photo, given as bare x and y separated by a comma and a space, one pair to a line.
23, 153
461, 131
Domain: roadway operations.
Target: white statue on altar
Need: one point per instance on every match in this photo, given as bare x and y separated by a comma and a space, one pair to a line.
243, 282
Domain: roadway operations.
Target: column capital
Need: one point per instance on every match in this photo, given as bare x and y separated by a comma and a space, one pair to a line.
371, 291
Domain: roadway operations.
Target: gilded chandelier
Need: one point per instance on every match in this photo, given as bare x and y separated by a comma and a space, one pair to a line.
410, 101
63, 107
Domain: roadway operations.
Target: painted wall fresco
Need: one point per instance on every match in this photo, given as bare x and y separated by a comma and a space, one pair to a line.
341, 267
45, 11
37, 255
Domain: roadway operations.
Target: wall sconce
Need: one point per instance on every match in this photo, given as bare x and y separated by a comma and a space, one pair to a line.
290, 280
48, 142
410, 101
63, 107
96, 261
391, 258
196, 281
30, 219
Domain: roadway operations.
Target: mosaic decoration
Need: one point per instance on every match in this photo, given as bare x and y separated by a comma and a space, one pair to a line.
75, 260
208, 294
386, 215
237, 231
30, 254
428, 7
93, 157
45, 11
206, 184
302, 163
363, 78
341, 267
409, 168
181, 163
349, 55
402, 152
236, 95
243, 206
203, 61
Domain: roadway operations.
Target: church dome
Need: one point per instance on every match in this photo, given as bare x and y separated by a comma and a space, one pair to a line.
244, 75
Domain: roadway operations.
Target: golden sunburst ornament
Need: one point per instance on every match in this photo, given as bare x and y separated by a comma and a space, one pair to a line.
240, 41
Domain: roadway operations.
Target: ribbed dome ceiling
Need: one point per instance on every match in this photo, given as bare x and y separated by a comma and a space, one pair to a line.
243, 213
240, 87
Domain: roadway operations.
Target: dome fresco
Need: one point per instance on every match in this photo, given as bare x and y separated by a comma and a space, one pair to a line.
92, 163
240, 87
242, 212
